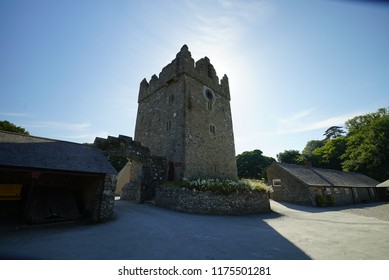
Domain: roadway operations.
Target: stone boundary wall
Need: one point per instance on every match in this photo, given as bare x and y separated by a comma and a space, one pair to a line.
204, 202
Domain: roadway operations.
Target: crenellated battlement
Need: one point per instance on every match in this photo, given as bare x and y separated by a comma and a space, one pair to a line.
202, 70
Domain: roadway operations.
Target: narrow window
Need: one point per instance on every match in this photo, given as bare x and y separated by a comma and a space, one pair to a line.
171, 98
210, 71
210, 105
208, 94
212, 128
168, 125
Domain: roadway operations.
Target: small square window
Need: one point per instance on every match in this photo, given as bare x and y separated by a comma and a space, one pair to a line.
276, 182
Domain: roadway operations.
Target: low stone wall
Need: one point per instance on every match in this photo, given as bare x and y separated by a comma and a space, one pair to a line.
204, 202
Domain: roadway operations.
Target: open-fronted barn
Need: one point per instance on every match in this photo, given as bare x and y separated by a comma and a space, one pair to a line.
43, 180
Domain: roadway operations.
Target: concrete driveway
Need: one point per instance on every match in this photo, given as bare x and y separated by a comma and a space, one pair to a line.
143, 231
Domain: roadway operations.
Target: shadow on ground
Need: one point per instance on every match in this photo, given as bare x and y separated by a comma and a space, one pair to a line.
144, 232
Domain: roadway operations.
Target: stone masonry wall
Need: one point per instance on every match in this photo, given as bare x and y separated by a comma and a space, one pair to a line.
108, 198
194, 201
152, 171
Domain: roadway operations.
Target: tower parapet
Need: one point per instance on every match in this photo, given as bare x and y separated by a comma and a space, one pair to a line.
201, 70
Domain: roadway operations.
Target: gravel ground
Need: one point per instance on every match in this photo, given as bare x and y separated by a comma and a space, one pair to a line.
374, 210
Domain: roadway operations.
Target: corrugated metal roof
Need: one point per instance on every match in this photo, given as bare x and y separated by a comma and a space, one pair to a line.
18, 150
327, 177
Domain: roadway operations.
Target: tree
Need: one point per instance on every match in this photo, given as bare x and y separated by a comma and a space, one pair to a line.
368, 145
333, 132
308, 153
329, 155
8, 126
253, 164
290, 156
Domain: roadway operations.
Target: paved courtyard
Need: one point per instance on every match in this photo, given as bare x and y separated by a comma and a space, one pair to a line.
143, 231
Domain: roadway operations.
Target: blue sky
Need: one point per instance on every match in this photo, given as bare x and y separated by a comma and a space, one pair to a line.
71, 70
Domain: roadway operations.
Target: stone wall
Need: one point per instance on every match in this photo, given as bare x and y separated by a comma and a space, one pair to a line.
108, 198
151, 171
204, 202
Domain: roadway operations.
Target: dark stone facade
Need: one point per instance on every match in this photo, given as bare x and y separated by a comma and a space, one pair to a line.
204, 202
150, 172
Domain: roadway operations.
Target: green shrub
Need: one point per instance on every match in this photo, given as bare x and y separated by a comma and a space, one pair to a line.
320, 200
330, 200
219, 186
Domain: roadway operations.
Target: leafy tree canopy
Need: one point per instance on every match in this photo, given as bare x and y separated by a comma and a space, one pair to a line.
368, 145
329, 155
290, 156
334, 132
253, 164
8, 126
308, 153
364, 149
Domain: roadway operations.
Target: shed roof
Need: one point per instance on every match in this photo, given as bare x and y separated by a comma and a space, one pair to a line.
384, 184
313, 176
24, 151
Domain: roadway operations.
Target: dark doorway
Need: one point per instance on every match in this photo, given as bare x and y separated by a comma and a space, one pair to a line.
170, 176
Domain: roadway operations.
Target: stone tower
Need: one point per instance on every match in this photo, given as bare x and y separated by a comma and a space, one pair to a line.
184, 115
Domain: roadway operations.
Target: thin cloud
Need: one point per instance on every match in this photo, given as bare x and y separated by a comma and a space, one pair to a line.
305, 121
13, 114
223, 24
296, 117
59, 126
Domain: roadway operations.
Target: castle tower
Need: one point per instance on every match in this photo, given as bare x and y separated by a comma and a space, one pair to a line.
184, 115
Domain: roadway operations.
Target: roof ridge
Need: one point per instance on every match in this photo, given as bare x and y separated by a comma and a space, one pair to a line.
321, 176
40, 137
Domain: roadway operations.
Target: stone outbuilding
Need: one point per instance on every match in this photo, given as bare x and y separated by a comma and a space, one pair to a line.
302, 184
44, 180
